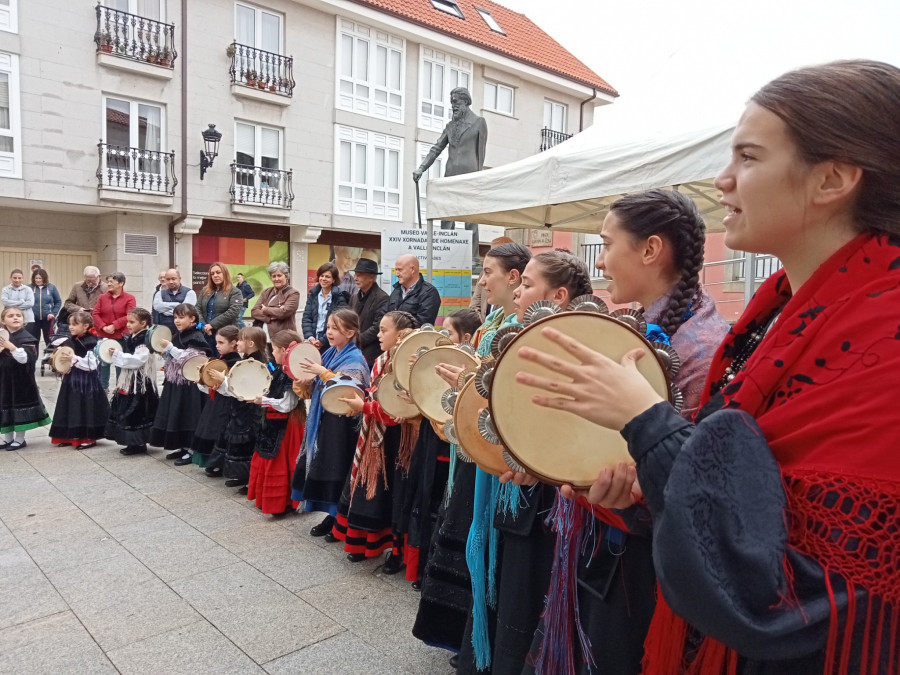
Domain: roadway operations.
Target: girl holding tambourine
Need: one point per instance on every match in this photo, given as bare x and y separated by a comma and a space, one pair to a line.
20, 401
81, 406
652, 253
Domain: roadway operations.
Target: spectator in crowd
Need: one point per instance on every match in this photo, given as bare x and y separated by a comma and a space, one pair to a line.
412, 293
277, 306
17, 294
345, 259
110, 315
161, 278
325, 297
371, 304
83, 296
169, 295
247, 292
219, 304
47, 304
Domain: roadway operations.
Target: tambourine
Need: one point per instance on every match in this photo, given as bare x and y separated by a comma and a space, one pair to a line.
417, 342
155, 337
467, 413
4, 335
190, 369
101, 349
249, 379
61, 361
427, 388
387, 395
338, 387
295, 356
209, 365
553, 445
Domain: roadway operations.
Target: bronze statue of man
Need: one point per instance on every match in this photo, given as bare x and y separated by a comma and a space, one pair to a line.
466, 134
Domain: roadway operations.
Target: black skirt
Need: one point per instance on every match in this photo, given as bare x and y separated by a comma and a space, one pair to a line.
237, 442
322, 485
20, 401
375, 514
210, 427
424, 489
177, 415
82, 408
131, 415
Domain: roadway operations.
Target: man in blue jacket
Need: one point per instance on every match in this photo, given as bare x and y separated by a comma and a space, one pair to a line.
412, 293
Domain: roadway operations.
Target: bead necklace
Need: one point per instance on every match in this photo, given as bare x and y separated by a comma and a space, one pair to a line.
739, 362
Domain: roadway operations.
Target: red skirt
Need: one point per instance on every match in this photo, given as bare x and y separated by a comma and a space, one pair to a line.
362, 541
270, 479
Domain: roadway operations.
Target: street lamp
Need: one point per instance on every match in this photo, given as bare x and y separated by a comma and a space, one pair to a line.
211, 139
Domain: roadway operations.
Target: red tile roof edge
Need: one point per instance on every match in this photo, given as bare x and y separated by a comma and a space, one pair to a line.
599, 84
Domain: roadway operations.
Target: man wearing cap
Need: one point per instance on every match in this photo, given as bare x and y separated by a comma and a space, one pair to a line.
371, 304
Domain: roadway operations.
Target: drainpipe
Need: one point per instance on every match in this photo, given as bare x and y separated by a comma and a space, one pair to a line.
580, 109
184, 99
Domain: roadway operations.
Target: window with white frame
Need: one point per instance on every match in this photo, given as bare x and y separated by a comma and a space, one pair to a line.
9, 20
490, 20
134, 132
367, 168
10, 131
448, 6
257, 156
498, 98
257, 28
555, 116
147, 9
439, 74
370, 66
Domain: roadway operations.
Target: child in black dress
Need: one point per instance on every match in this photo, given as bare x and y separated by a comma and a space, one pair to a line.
217, 410
234, 449
134, 404
20, 401
181, 402
81, 407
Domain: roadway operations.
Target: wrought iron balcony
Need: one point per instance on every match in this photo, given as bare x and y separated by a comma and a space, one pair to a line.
262, 186
589, 253
549, 138
135, 37
264, 70
123, 168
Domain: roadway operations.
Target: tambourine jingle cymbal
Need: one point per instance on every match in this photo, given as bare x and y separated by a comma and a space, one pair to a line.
388, 397
553, 445
487, 456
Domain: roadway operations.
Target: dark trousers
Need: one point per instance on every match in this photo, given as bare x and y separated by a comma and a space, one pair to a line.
40, 326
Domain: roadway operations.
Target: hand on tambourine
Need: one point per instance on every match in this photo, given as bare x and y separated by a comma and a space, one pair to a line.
8, 345
208, 329
518, 478
450, 374
601, 391
354, 403
216, 376
404, 396
164, 344
614, 488
398, 420
312, 367
258, 400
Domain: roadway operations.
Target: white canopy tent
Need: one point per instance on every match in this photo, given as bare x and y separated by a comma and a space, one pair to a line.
570, 186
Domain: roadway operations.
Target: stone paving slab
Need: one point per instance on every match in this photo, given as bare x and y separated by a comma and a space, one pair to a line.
25, 593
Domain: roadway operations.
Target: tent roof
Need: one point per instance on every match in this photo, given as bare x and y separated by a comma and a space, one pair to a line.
570, 186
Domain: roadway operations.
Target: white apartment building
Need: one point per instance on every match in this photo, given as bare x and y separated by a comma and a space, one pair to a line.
325, 108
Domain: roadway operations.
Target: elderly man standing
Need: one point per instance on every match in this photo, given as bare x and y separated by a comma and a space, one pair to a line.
171, 294
371, 303
412, 293
83, 296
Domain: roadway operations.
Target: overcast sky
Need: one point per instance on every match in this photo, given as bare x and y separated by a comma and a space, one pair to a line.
692, 63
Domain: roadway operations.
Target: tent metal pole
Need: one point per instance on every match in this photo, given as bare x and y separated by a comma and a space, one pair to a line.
429, 258
749, 276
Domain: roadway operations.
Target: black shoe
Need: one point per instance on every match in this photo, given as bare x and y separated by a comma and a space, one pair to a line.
4, 445
323, 528
454, 661
183, 460
356, 557
393, 564
85, 446
234, 482
134, 450
417, 585
175, 454
58, 445
330, 538
242, 491
17, 445
213, 472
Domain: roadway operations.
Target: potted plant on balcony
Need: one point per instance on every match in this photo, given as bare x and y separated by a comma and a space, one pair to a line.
261, 83
106, 43
273, 87
165, 57
250, 76
230, 51
152, 55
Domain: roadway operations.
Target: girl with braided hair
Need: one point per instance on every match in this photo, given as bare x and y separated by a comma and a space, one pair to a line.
652, 255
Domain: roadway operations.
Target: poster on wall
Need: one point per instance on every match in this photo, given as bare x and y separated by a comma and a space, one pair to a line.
451, 266
250, 257
344, 258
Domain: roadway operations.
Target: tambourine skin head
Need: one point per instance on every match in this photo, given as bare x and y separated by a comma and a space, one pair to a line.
155, 337
342, 386
409, 347
249, 379
190, 369
295, 356
488, 456
426, 387
386, 395
553, 445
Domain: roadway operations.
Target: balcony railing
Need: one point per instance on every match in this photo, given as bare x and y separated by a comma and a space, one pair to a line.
261, 69
765, 266
589, 253
259, 185
549, 138
124, 168
135, 37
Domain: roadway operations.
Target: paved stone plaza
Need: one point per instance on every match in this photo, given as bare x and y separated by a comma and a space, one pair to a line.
132, 565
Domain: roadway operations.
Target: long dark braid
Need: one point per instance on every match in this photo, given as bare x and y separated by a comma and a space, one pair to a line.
674, 217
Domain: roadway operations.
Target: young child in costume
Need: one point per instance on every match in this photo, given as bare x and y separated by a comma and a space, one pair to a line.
217, 410
20, 401
134, 404
181, 403
365, 517
330, 440
279, 437
81, 406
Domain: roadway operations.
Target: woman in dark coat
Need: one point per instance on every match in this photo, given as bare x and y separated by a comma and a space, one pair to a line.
219, 303
323, 299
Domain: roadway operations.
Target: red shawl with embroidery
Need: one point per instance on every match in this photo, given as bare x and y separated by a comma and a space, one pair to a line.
822, 385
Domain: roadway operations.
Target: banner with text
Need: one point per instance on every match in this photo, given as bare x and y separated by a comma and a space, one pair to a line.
451, 267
